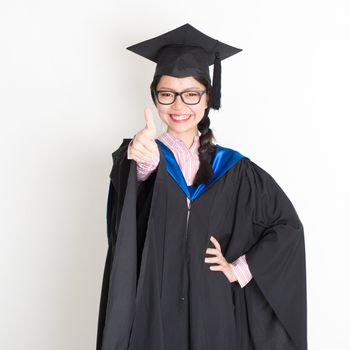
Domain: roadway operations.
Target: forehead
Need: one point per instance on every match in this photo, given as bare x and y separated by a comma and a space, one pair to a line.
167, 81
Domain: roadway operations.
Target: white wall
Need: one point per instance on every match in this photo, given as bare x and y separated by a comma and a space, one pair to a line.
69, 93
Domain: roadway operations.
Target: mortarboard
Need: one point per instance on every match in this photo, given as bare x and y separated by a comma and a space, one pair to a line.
185, 51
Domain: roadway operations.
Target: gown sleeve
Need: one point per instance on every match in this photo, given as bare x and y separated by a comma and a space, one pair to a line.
117, 190
276, 295
116, 193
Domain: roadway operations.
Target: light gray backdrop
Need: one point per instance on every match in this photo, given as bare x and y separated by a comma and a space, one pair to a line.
70, 92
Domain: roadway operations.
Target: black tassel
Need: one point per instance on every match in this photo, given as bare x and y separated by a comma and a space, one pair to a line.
216, 103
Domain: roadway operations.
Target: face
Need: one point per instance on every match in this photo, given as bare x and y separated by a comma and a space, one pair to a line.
182, 119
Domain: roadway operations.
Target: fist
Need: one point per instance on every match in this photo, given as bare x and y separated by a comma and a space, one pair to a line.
143, 148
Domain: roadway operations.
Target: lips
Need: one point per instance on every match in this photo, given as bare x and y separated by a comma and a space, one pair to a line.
180, 117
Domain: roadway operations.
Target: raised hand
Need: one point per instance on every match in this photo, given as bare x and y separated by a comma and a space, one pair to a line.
143, 147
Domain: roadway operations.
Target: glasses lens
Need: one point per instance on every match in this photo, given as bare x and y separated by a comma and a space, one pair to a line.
166, 97
191, 97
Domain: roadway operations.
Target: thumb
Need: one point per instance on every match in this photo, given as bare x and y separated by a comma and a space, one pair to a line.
149, 121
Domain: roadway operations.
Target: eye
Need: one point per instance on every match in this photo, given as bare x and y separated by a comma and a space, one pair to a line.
166, 94
191, 93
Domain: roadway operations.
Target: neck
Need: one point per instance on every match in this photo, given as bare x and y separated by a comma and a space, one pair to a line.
187, 138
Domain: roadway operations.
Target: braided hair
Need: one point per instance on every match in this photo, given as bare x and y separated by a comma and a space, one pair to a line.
206, 149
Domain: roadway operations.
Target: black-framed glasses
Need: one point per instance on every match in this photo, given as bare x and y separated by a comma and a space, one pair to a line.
189, 97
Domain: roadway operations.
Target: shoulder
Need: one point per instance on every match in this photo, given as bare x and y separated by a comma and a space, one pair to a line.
245, 164
225, 153
258, 183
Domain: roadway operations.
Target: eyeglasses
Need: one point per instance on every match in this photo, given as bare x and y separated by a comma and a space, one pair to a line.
188, 97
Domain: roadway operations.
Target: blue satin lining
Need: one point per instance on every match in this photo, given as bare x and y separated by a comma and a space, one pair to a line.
223, 160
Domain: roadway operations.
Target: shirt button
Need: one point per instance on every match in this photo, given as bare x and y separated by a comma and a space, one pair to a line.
182, 298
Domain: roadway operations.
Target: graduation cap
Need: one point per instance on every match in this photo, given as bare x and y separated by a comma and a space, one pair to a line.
185, 51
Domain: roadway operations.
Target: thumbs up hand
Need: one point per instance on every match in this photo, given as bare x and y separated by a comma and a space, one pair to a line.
150, 126
143, 148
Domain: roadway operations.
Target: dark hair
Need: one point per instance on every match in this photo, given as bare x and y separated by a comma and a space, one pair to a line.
207, 147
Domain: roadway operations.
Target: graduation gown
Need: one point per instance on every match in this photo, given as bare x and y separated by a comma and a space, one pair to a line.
157, 291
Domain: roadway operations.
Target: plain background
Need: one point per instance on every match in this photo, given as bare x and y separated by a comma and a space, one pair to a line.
70, 92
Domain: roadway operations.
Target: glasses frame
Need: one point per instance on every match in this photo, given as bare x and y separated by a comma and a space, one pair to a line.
201, 93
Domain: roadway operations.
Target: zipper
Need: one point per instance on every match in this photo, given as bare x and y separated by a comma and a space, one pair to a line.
184, 263
188, 216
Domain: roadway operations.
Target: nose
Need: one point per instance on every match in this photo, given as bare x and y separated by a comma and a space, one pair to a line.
178, 103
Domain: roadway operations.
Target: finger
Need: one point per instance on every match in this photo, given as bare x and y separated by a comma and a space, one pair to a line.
216, 268
151, 145
142, 149
141, 156
149, 120
212, 251
143, 160
213, 260
215, 242
147, 138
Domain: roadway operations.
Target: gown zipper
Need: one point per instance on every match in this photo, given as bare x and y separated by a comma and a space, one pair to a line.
184, 263
188, 215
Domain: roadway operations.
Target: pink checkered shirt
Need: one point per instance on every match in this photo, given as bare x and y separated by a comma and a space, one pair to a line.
188, 160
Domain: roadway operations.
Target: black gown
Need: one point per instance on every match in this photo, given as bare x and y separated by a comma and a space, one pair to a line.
157, 291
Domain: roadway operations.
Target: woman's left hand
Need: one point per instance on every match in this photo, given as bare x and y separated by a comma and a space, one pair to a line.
223, 265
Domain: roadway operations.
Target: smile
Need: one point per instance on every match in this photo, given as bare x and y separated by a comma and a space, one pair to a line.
180, 117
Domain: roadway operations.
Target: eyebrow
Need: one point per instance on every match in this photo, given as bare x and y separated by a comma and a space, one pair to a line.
169, 89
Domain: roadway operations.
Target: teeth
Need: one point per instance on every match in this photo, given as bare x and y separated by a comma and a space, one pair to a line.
180, 117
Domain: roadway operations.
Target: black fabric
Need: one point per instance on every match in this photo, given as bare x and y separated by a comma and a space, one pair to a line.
163, 48
144, 304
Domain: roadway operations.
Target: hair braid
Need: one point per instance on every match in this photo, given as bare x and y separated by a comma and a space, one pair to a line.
206, 151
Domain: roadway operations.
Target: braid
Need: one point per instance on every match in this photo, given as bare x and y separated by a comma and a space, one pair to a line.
206, 151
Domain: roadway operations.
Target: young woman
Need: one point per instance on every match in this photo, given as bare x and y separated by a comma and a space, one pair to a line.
205, 249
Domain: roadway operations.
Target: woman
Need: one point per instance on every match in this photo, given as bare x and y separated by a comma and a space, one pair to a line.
205, 249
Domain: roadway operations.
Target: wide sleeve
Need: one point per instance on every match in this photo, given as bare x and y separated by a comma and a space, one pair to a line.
126, 231
116, 193
277, 297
